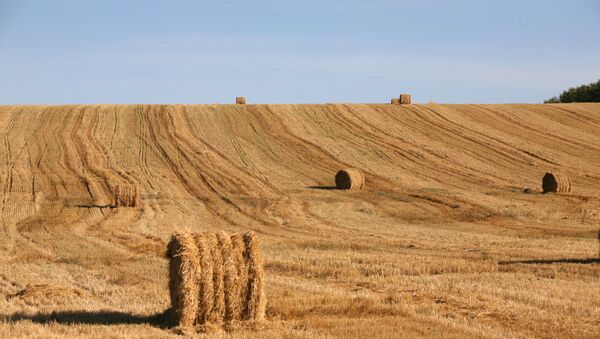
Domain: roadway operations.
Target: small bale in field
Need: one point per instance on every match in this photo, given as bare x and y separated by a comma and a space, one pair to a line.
405, 99
184, 267
240, 100
349, 178
395, 101
127, 196
556, 182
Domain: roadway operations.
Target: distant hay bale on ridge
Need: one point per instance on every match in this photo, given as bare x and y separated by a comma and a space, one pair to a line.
240, 100
349, 178
127, 196
556, 182
405, 99
216, 278
395, 101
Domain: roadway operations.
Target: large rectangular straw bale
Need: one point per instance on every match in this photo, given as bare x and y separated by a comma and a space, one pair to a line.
216, 278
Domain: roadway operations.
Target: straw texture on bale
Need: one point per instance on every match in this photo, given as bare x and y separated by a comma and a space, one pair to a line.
405, 99
184, 267
395, 101
240, 100
556, 182
255, 297
350, 178
126, 196
228, 277
218, 305
205, 279
237, 253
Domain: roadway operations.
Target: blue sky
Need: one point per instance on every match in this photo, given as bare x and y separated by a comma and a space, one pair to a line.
183, 51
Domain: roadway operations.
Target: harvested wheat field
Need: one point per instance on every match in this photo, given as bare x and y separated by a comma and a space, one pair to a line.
440, 242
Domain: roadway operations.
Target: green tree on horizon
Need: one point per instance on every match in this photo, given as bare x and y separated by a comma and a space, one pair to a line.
583, 93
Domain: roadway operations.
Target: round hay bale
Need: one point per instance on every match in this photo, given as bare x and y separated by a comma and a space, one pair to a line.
405, 99
184, 268
395, 101
349, 178
240, 100
556, 182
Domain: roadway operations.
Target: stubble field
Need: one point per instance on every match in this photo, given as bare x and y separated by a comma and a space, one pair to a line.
442, 241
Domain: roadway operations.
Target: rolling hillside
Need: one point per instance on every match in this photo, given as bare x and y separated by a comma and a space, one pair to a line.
441, 242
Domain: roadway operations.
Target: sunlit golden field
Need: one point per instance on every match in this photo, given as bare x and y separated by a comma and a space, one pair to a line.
442, 241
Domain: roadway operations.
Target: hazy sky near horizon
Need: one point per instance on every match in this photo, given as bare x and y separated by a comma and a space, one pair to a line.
184, 51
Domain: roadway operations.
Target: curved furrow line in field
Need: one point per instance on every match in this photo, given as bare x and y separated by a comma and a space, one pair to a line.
527, 124
7, 228
143, 130
112, 171
98, 174
209, 176
334, 153
489, 153
485, 120
576, 117
71, 178
565, 157
194, 182
374, 145
194, 140
373, 138
303, 158
514, 163
435, 162
287, 155
232, 134
8, 153
219, 198
383, 185
579, 157
581, 135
